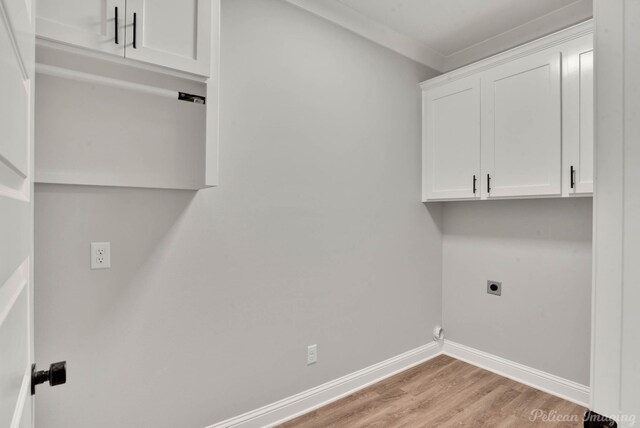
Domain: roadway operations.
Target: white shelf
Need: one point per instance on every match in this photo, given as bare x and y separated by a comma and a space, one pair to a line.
114, 180
106, 124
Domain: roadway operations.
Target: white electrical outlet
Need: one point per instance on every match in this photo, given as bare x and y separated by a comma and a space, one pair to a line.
312, 354
100, 255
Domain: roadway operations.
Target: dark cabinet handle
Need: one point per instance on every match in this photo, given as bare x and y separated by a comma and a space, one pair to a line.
56, 375
488, 183
116, 23
573, 177
475, 180
135, 28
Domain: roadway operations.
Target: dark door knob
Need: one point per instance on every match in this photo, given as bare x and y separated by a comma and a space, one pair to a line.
56, 375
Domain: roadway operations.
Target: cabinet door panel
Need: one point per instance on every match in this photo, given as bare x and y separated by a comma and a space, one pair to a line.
171, 33
88, 23
578, 117
585, 172
522, 127
451, 140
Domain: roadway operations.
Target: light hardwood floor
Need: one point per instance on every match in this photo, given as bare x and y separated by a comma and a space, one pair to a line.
444, 392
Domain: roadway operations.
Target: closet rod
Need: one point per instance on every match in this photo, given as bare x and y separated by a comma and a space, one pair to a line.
80, 76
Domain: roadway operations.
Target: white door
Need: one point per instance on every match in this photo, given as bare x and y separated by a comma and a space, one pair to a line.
578, 117
92, 24
170, 33
17, 51
521, 127
451, 141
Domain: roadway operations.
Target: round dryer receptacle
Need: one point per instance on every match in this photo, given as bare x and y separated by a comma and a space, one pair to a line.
438, 333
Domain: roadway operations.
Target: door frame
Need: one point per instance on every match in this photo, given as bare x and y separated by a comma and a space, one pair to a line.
17, 77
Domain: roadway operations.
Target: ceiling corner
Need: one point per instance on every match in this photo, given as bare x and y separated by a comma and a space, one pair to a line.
360, 24
557, 20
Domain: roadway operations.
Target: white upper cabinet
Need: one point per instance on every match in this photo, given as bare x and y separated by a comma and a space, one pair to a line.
160, 97
451, 149
516, 125
175, 34
521, 144
87, 23
578, 117
171, 33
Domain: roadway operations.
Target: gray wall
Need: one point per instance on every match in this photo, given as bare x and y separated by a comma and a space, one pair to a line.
315, 235
541, 251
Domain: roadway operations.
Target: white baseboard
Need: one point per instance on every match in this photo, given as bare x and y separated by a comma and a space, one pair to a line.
299, 404
311, 399
563, 388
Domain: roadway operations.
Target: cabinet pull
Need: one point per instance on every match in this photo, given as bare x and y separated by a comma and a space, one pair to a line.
573, 177
475, 180
116, 23
488, 183
135, 28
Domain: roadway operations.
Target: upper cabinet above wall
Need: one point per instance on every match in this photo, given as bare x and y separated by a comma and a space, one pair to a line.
452, 119
516, 125
578, 129
90, 23
171, 33
521, 131
175, 34
128, 93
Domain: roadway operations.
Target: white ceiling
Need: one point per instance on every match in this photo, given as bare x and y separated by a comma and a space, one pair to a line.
445, 34
449, 26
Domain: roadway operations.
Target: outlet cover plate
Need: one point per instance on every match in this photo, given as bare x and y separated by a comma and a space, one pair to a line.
312, 354
100, 255
494, 287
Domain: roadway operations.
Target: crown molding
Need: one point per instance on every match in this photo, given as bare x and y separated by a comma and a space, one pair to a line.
557, 38
354, 21
564, 17
358, 23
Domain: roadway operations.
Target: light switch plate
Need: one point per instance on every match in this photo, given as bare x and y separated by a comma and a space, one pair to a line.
100, 255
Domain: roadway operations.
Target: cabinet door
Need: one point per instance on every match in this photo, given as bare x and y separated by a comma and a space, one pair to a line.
578, 117
521, 133
451, 141
170, 33
88, 23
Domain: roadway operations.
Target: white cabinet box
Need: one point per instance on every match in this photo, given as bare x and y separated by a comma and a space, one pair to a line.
451, 151
578, 118
107, 120
516, 125
175, 34
90, 24
521, 129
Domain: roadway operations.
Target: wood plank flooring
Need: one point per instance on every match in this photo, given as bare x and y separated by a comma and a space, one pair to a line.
444, 392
